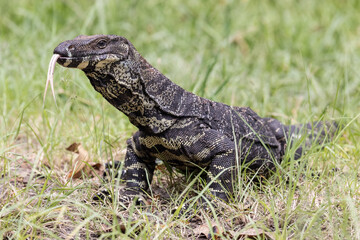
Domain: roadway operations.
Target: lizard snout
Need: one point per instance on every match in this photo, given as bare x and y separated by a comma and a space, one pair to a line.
64, 49
70, 56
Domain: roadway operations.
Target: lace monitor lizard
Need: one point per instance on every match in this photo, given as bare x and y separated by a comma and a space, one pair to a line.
184, 130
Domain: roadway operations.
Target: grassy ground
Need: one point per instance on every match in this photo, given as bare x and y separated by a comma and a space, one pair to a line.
297, 61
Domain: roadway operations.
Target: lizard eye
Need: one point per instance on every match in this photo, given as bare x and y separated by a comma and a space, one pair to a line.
101, 44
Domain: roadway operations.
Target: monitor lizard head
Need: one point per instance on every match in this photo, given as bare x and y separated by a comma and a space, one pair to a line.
90, 52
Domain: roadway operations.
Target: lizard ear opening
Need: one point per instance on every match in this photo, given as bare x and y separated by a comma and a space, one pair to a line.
120, 46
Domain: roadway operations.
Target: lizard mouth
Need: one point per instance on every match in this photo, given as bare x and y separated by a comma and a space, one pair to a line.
83, 62
72, 62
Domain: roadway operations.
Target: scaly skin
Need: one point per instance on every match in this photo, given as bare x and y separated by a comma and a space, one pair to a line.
184, 130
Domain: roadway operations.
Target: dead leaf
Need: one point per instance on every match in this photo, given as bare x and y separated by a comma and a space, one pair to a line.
203, 231
74, 147
82, 163
96, 169
254, 233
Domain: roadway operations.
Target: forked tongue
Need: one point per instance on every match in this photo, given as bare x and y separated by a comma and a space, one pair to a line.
50, 76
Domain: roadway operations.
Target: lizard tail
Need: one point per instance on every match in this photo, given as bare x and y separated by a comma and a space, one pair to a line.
304, 135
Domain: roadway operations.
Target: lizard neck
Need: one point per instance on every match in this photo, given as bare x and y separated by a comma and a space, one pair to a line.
123, 88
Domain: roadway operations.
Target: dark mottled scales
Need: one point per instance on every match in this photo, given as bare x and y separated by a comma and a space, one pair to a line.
176, 126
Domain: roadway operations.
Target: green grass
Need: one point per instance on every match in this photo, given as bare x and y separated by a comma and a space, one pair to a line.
298, 61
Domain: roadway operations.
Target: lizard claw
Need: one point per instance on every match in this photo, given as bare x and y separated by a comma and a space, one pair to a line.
127, 197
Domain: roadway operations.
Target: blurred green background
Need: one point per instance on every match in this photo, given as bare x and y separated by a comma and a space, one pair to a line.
293, 60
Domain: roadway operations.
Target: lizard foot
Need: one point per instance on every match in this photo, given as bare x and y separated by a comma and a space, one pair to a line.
126, 197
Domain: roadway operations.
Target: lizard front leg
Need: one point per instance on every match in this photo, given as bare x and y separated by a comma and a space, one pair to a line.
215, 152
220, 174
137, 173
138, 168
